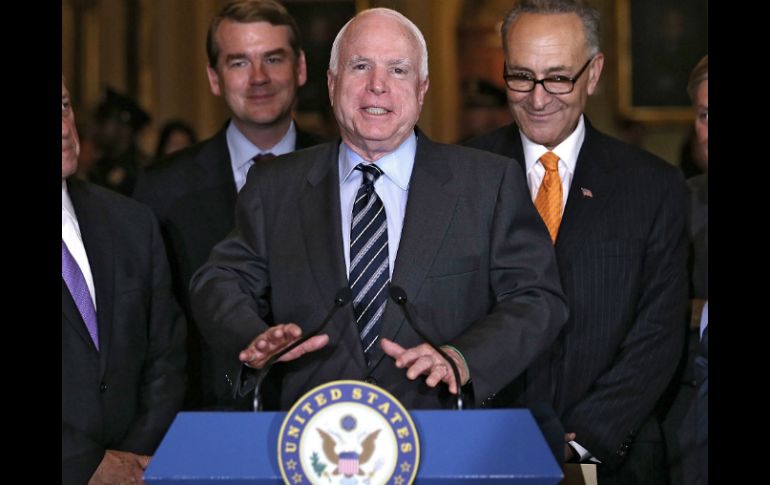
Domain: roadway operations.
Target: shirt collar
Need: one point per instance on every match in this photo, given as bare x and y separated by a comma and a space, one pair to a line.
68, 210
242, 150
567, 151
396, 165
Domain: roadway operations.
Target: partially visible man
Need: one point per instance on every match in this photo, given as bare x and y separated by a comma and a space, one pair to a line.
122, 331
616, 216
691, 439
256, 64
385, 206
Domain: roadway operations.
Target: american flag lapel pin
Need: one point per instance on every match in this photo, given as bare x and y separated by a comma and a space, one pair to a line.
587, 192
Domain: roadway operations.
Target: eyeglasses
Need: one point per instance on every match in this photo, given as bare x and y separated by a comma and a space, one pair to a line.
524, 83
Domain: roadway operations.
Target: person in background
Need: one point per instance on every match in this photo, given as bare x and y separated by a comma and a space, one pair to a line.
256, 64
122, 330
692, 434
616, 216
118, 122
383, 207
175, 135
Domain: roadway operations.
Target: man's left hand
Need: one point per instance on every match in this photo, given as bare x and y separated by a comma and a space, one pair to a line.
424, 360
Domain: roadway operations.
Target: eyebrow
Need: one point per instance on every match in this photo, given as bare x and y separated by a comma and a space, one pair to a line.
242, 55
404, 61
550, 70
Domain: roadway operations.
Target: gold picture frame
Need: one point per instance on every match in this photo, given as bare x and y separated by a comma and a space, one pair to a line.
659, 42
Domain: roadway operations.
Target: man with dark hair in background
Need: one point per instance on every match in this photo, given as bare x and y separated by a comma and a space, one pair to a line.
256, 64
616, 215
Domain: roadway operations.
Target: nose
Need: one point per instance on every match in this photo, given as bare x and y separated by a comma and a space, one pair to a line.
65, 128
539, 97
259, 74
378, 83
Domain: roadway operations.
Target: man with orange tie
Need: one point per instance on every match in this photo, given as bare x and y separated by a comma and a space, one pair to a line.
616, 215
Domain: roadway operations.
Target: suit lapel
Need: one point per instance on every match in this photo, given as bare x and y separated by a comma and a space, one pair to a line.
429, 211
95, 228
322, 232
589, 192
215, 177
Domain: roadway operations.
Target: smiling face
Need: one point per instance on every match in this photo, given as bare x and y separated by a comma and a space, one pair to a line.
70, 143
257, 73
377, 93
542, 46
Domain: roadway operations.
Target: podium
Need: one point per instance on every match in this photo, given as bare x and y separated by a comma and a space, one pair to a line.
456, 447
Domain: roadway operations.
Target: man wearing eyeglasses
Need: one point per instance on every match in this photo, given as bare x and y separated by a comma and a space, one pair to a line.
616, 215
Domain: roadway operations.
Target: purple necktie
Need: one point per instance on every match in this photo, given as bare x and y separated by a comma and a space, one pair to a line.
76, 283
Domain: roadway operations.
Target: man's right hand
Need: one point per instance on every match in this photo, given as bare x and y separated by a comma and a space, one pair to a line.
275, 339
120, 467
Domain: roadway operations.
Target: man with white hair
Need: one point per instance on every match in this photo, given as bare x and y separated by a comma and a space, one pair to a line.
383, 207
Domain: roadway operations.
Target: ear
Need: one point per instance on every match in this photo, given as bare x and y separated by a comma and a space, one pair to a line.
594, 72
422, 89
330, 79
301, 69
213, 81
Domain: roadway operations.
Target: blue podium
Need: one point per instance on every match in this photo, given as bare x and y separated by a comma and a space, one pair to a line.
456, 447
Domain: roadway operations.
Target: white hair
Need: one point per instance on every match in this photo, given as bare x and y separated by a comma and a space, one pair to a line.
408, 24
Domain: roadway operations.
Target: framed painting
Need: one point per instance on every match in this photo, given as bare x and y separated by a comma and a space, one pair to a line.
659, 42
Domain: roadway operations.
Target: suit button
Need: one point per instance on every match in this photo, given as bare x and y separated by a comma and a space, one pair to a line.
371, 380
102, 387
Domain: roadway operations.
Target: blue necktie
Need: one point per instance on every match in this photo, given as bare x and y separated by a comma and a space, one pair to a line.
369, 273
76, 283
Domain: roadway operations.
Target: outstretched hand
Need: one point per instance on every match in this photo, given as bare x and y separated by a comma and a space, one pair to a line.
425, 360
274, 340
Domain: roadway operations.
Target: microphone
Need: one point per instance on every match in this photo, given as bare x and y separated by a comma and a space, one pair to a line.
399, 296
341, 299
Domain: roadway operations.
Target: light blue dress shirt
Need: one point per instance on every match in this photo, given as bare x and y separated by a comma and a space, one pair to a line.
242, 151
392, 188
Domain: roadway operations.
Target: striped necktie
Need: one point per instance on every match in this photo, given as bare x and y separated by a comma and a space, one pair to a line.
369, 273
549, 196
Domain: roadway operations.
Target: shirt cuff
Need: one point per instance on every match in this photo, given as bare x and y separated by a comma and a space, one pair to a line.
585, 455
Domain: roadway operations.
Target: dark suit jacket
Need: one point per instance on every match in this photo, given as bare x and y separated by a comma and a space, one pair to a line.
193, 195
621, 252
473, 259
125, 395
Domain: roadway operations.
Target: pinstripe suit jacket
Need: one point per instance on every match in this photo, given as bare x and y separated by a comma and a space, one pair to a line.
474, 259
621, 252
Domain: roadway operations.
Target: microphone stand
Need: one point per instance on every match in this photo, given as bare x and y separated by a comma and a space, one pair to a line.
399, 296
341, 299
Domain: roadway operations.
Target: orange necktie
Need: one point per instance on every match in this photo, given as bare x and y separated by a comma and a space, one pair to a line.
548, 200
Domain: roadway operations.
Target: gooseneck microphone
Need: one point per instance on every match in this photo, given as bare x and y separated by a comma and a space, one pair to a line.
399, 296
341, 299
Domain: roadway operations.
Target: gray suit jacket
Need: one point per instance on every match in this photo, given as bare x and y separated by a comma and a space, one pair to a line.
474, 258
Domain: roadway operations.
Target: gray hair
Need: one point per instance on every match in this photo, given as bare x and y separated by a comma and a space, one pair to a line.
588, 15
408, 24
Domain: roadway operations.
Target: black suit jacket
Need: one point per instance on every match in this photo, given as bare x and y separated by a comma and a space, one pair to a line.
193, 195
473, 259
125, 395
621, 252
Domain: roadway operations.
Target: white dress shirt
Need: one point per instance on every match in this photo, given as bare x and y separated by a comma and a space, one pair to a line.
242, 150
567, 151
70, 234
392, 188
